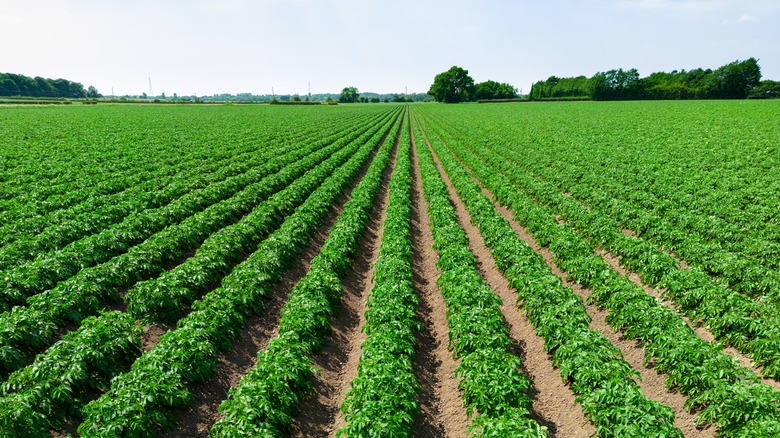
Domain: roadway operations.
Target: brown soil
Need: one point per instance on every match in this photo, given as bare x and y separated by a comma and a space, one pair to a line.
196, 420
651, 383
441, 406
320, 413
152, 334
554, 403
701, 331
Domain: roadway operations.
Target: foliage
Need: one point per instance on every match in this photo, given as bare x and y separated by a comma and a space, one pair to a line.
599, 376
452, 86
713, 381
494, 90
382, 397
20, 85
766, 89
555, 87
270, 392
736, 80
135, 402
490, 376
349, 95
168, 231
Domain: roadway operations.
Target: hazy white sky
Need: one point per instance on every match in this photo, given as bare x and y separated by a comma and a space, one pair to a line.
231, 46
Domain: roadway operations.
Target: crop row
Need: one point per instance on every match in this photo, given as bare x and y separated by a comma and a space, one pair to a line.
727, 394
22, 330
710, 207
100, 202
706, 242
490, 376
382, 396
267, 396
161, 298
95, 148
186, 196
139, 401
750, 327
48, 269
594, 367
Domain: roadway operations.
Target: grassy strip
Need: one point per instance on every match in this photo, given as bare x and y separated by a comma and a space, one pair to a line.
492, 383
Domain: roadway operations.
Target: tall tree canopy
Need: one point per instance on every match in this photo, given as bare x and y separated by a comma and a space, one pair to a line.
737, 80
494, 90
452, 86
349, 95
20, 85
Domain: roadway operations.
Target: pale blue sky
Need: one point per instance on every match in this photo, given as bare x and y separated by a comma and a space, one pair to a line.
231, 46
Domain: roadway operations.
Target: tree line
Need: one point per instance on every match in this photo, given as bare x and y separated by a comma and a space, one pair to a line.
736, 80
455, 85
19, 85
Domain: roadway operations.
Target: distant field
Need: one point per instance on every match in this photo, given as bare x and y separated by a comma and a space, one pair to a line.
536, 269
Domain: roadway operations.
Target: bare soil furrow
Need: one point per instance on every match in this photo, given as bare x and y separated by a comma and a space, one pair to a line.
554, 402
652, 384
196, 420
701, 331
441, 405
320, 413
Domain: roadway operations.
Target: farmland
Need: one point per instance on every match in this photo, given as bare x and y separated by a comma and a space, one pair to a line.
532, 270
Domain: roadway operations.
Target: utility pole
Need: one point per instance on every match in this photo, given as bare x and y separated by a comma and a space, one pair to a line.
151, 93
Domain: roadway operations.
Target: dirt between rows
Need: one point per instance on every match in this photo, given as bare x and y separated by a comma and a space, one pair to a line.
196, 420
441, 410
320, 413
554, 402
651, 383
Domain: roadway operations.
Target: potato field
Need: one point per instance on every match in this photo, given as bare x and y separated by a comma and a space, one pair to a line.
562, 269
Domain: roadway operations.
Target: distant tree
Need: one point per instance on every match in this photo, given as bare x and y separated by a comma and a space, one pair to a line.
92, 92
143, 95
386, 100
374, 100
617, 85
766, 89
296, 98
452, 86
736, 80
349, 95
494, 90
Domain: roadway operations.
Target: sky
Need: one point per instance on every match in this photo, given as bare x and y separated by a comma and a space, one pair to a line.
205, 47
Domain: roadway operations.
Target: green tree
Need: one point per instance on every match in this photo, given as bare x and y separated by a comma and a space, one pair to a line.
736, 80
92, 92
766, 90
349, 95
452, 86
617, 85
494, 90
